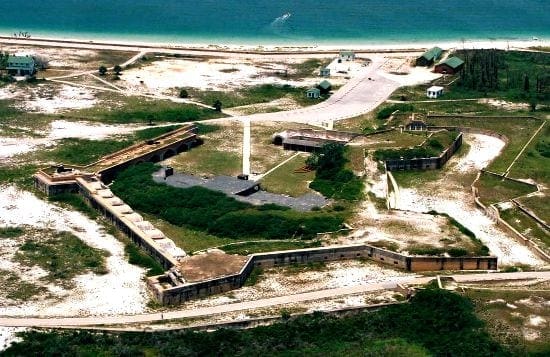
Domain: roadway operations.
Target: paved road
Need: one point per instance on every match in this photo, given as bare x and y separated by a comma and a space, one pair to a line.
359, 96
262, 303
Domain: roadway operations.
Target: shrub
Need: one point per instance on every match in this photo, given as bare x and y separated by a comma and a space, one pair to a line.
385, 112
183, 93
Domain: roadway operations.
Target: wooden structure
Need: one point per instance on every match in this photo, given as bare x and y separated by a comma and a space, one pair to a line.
451, 65
429, 57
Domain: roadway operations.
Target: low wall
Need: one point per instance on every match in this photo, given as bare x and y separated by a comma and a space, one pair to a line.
181, 293
506, 226
428, 163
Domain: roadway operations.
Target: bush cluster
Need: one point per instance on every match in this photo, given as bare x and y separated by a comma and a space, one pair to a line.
215, 212
435, 322
332, 180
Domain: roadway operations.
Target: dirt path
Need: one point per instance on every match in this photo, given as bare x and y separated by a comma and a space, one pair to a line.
262, 303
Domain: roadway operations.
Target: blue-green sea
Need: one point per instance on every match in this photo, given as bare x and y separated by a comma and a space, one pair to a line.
311, 22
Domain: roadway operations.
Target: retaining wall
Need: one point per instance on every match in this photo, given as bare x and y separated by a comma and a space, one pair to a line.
145, 243
178, 294
428, 163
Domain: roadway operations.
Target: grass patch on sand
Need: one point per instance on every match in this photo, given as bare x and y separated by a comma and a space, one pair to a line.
493, 189
75, 201
19, 175
82, 151
122, 110
286, 180
62, 255
513, 328
14, 288
11, 232
263, 93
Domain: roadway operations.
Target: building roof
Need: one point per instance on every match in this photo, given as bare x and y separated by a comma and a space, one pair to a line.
325, 69
312, 89
325, 84
432, 54
453, 62
435, 89
347, 53
21, 59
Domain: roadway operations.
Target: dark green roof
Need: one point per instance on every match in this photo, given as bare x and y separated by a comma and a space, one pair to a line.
325, 84
432, 54
21, 59
453, 62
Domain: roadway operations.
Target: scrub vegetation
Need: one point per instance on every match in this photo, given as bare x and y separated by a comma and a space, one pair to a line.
435, 322
214, 212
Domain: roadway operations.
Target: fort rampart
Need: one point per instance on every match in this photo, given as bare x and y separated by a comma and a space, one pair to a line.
167, 294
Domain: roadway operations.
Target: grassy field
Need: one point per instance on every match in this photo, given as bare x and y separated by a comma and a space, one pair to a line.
220, 154
535, 161
518, 131
393, 139
256, 94
286, 181
188, 239
538, 204
493, 189
124, 109
526, 226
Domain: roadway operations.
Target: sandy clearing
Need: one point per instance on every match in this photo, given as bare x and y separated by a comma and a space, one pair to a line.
121, 291
49, 98
215, 74
458, 202
62, 129
275, 282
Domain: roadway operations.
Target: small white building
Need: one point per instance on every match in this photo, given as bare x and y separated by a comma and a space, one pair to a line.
347, 56
313, 93
324, 72
434, 92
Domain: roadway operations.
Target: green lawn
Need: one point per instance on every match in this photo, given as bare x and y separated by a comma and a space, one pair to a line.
261, 247
286, 181
493, 189
250, 95
539, 205
517, 130
526, 226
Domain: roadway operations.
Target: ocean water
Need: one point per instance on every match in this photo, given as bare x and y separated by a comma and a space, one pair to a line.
311, 22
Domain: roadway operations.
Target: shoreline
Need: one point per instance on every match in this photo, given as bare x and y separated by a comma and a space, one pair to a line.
502, 44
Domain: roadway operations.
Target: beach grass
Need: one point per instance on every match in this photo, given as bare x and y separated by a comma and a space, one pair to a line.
526, 226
